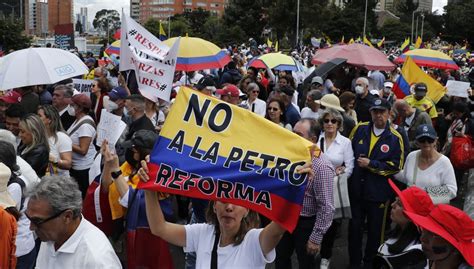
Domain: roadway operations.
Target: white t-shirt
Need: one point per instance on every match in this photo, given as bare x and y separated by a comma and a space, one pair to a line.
439, 173
60, 145
82, 162
248, 254
88, 247
306, 112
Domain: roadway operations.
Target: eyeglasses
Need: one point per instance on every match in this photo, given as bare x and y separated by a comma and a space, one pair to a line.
38, 221
255, 91
272, 108
333, 121
425, 139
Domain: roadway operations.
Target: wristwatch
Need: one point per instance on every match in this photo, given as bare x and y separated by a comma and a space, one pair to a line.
115, 174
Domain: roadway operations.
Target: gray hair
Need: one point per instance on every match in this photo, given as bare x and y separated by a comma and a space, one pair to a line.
333, 113
364, 80
61, 193
68, 90
315, 94
9, 137
252, 85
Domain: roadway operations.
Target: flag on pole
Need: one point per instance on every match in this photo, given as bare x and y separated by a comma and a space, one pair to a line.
269, 43
342, 40
162, 35
380, 43
351, 41
412, 74
276, 46
418, 43
405, 46
367, 42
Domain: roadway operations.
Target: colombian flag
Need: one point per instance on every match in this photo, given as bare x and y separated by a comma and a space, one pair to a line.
419, 43
162, 35
203, 152
367, 42
380, 43
412, 74
405, 46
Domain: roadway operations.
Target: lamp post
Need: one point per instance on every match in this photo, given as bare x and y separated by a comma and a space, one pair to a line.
297, 21
422, 22
13, 9
412, 25
365, 18
416, 28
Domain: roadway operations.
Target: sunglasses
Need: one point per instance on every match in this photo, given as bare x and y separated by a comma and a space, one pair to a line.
272, 108
333, 121
423, 140
38, 221
255, 91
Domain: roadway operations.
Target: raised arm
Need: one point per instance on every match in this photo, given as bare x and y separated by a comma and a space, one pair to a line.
170, 232
270, 236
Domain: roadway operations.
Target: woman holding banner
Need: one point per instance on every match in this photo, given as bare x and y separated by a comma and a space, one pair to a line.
230, 232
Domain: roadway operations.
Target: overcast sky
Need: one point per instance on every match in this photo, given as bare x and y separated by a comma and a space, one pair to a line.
96, 5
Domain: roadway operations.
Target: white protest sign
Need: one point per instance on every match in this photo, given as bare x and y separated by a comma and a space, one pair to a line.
110, 128
83, 85
458, 88
140, 38
155, 78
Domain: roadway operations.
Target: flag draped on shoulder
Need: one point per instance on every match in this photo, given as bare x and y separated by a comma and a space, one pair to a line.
153, 61
208, 155
412, 74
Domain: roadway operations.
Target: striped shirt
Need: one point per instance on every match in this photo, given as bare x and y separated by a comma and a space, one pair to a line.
318, 198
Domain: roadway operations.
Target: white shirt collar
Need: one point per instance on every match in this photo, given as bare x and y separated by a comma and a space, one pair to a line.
73, 241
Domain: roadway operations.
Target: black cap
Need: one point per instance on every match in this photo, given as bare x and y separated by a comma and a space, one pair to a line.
380, 104
204, 82
144, 139
425, 130
421, 87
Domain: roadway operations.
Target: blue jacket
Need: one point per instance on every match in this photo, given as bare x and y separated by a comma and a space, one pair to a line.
386, 159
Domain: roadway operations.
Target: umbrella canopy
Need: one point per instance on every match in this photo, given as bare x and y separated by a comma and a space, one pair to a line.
36, 66
356, 54
198, 54
324, 69
114, 48
275, 61
429, 58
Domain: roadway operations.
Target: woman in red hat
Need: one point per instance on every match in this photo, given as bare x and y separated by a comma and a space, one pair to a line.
447, 237
402, 248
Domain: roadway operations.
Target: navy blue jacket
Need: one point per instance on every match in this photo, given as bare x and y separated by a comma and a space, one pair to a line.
386, 159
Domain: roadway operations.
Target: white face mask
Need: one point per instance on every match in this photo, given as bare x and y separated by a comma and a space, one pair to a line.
112, 106
71, 111
359, 90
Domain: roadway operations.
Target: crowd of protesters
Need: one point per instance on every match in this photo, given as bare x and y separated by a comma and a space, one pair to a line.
371, 146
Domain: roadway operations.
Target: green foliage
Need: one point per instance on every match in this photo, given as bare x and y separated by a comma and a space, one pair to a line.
78, 27
458, 21
405, 10
248, 15
11, 35
107, 18
395, 30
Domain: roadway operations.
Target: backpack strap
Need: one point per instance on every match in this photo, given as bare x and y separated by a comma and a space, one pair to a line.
19, 181
80, 123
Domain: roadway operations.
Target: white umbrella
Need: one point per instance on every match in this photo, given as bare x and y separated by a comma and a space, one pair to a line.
36, 66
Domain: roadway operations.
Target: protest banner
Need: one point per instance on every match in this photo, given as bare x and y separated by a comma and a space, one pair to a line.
458, 88
213, 150
154, 75
83, 85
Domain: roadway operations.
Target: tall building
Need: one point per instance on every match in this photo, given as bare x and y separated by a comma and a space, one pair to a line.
135, 9
36, 17
162, 9
59, 12
425, 5
82, 17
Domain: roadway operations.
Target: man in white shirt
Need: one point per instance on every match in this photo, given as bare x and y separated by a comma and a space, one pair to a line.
312, 109
68, 240
253, 103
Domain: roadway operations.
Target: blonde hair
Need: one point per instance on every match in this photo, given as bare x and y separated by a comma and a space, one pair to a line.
32, 123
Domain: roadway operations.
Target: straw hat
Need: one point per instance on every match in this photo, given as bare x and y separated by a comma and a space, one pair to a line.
330, 100
5, 199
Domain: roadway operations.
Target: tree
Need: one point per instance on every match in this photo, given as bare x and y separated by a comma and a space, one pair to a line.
458, 22
107, 19
405, 9
395, 30
79, 27
196, 19
11, 35
248, 15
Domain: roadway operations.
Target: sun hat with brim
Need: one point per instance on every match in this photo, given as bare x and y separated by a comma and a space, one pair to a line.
453, 225
425, 130
414, 199
330, 100
5, 198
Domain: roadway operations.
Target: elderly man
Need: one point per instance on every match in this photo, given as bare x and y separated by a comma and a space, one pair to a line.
318, 207
411, 118
68, 239
230, 94
379, 154
61, 101
363, 100
419, 100
312, 108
